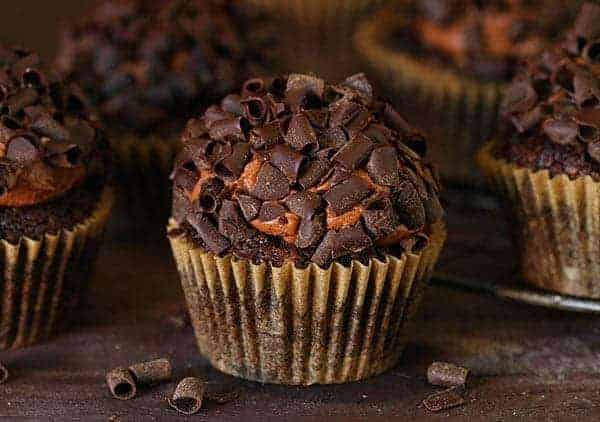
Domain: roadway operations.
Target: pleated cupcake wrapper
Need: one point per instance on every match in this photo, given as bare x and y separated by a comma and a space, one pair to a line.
303, 326
42, 280
558, 225
458, 113
143, 169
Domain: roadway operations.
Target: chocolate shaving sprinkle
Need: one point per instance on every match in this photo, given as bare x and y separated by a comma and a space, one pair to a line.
121, 384
554, 106
187, 397
152, 372
299, 169
444, 400
446, 374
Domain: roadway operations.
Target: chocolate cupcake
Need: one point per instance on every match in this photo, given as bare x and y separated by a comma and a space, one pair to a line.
54, 197
148, 66
454, 57
305, 226
547, 163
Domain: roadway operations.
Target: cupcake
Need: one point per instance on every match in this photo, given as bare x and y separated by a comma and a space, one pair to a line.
54, 198
305, 226
453, 58
547, 163
147, 66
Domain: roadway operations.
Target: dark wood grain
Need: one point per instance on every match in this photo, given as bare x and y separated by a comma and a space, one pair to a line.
527, 362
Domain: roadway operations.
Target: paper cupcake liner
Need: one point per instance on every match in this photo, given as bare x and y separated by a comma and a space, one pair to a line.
43, 280
143, 168
458, 113
302, 326
557, 222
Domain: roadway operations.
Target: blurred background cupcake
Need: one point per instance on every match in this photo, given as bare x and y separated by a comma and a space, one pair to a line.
305, 227
148, 66
55, 198
547, 163
452, 58
315, 35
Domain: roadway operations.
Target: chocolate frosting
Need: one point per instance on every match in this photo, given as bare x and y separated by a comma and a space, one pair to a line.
49, 142
297, 168
488, 38
146, 63
553, 105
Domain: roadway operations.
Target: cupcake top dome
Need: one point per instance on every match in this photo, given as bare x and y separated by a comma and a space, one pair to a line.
49, 142
146, 63
553, 105
488, 38
297, 168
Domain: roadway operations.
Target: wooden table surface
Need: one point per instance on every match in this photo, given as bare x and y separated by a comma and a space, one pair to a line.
528, 362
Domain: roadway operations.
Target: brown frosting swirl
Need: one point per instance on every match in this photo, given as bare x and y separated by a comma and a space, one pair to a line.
49, 143
146, 63
553, 105
488, 38
297, 168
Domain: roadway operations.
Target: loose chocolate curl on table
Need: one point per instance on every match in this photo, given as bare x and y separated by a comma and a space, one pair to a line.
152, 372
187, 397
447, 374
121, 383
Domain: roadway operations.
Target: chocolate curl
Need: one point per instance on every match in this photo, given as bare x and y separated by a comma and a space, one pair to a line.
232, 104
587, 89
378, 133
152, 372
444, 400
22, 149
232, 167
383, 166
300, 134
250, 206
393, 119
355, 152
62, 154
343, 111
343, 196
589, 133
199, 150
215, 114
561, 132
184, 179
265, 136
271, 184
446, 374
313, 173
45, 125
333, 138
591, 52
586, 24
277, 107
287, 161
408, 205
304, 204
3, 373
232, 128
255, 109
253, 87
528, 120
121, 384
594, 151
33, 77
361, 84
311, 231
187, 397
231, 223
519, 97
194, 128
21, 99
301, 89
208, 200
214, 241
380, 218
338, 244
